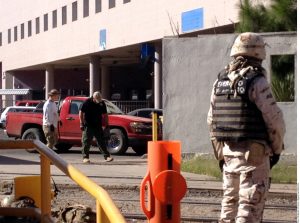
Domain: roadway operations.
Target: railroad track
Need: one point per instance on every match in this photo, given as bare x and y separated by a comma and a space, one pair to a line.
198, 205
193, 210
138, 217
192, 202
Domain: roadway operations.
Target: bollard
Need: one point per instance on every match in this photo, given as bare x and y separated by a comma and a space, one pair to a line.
165, 185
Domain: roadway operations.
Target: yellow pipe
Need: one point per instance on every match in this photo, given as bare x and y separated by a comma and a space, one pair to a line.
111, 211
100, 194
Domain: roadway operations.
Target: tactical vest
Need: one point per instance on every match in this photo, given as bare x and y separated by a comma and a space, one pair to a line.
235, 117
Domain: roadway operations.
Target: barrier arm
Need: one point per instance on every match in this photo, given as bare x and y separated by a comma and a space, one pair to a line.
106, 210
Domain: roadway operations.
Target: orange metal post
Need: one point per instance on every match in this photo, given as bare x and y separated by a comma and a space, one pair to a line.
166, 184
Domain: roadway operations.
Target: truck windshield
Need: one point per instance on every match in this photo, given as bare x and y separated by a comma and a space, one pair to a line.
112, 108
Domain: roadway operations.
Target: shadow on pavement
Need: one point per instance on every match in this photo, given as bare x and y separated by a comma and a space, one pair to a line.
4, 160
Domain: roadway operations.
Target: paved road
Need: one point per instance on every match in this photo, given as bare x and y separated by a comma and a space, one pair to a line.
125, 170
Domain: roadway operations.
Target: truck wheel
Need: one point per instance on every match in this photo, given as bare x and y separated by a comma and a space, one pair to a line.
117, 144
33, 133
63, 147
140, 150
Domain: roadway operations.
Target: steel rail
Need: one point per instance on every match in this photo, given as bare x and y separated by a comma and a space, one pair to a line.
193, 202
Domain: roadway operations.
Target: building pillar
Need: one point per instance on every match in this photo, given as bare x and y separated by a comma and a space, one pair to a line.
94, 74
105, 82
157, 78
49, 80
7, 83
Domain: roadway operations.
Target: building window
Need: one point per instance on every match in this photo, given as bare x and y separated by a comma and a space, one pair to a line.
45, 22
111, 4
54, 19
15, 33
29, 28
64, 15
126, 1
98, 6
74, 11
9, 36
0, 39
37, 25
86, 8
22, 31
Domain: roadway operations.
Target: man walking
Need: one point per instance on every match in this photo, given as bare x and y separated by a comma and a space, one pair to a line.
93, 115
246, 129
50, 118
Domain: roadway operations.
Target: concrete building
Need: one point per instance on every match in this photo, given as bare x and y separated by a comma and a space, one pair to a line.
79, 46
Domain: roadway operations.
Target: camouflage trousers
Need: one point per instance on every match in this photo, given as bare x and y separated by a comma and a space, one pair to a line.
51, 137
245, 186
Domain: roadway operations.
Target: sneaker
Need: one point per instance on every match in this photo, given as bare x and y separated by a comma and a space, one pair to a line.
86, 160
109, 159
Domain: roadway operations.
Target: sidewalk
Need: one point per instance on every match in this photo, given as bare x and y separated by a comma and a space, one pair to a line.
122, 172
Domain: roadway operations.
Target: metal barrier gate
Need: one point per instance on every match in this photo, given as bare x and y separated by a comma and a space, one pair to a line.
106, 210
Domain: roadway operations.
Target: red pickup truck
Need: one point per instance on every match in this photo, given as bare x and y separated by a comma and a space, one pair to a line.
126, 131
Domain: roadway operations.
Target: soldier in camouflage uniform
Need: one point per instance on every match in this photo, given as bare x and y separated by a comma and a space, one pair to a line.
246, 129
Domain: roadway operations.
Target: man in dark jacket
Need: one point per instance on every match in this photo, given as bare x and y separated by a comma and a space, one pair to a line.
92, 116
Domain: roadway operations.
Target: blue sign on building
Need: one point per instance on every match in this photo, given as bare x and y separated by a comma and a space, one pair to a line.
102, 41
192, 20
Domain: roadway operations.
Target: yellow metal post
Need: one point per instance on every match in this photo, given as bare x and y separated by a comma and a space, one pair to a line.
29, 186
98, 212
154, 126
45, 187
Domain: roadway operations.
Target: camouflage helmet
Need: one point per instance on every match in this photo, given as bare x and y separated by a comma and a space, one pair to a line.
249, 44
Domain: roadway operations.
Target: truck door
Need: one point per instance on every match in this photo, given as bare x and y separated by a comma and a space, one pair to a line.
70, 127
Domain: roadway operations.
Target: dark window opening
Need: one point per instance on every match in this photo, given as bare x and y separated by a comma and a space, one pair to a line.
98, 6
15, 33
111, 4
37, 25
46, 22
86, 8
74, 11
29, 28
54, 19
283, 77
9, 36
22, 30
64, 15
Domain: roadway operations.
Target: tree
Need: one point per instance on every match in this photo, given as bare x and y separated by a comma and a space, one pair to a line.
281, 15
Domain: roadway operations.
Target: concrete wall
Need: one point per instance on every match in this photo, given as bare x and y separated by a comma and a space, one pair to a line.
190, 67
